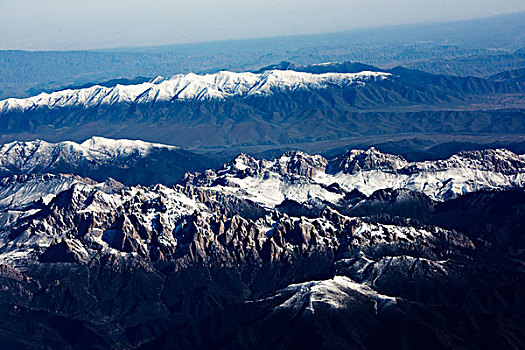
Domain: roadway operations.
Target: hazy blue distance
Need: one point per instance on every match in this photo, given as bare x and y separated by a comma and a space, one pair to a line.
90, 24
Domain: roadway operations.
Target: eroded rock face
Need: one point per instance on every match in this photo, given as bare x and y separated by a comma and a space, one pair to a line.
166, 224
203, 265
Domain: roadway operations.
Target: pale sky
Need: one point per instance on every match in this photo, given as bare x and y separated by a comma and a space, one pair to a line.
91, 24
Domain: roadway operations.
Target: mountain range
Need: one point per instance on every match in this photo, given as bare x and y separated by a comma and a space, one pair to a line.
280, 105
351, 205
361, 250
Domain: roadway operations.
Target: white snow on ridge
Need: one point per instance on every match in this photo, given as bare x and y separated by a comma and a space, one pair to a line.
27, 156
192, 86
438, 185
22, 192
119, 147
338, 292
296, 176
265, 183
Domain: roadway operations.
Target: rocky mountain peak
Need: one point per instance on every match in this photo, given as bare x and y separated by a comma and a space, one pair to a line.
299, 163
354, 161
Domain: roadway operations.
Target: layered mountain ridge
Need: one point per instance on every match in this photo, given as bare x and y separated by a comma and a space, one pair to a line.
294, 172
192, 87
128, 218
289, 243
283, 105
300, 177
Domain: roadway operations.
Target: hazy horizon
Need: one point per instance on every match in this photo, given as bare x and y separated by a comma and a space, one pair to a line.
98, 24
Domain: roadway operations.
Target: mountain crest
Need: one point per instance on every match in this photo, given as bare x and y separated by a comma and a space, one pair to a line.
221, 85
354, 161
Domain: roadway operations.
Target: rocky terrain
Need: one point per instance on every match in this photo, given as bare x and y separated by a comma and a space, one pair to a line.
364, 250
362, 189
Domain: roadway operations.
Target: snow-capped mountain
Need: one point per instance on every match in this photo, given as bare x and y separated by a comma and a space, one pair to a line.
193, 87
129, 161
294, 176
28, 156
303, 178
226, 250
276, 106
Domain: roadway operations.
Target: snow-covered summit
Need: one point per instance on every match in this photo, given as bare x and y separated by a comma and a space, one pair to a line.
290, 163
192, 86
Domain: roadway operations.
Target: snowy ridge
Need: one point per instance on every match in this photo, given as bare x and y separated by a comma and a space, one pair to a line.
294, 176
19, 191
192, 86
302, 178
31, 155
337, 292
118, 147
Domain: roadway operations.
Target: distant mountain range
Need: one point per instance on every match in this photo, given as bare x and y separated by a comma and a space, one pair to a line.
218, 86
284, 104
479, 47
